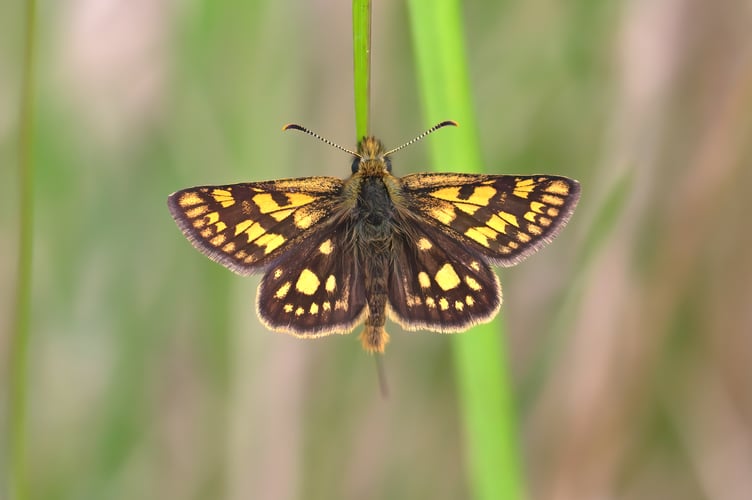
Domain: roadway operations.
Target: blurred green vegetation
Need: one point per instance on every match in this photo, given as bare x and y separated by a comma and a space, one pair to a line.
149, 374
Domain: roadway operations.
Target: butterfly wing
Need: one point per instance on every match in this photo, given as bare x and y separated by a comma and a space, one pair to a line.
440, 284
316, 290
246, 227
504, 217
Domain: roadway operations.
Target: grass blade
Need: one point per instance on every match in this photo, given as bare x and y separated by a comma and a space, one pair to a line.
492, 458
19, 344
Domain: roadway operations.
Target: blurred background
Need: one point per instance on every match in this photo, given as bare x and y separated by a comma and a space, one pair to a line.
630, 337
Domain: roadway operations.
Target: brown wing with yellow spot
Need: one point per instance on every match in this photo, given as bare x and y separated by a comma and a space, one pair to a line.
504, 217
439, 283
316, 290
246, 227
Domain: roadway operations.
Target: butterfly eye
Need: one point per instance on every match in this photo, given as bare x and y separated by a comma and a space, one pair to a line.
356, 164
388, 162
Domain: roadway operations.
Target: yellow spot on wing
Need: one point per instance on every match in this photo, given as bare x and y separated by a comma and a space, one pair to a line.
314, 308
326, 247
443, 303
331, 283
467, 208
550, 199
196, 211
537, 207
472, 283
424, 244
189, 199
481, 235
306, 217
482, 195
445, 215
266, 204
424, 280
447, 277
523, 187
447, 193
218, 240
270, 242
510, 218
223, 197
212, 217
304, 221
299, 199
252, 229
308, 282
288, 308
558, 187
282, 214
282, 291
497, 224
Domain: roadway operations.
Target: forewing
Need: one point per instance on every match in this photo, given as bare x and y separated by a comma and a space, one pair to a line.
246, 227
315, 290
504, 217
440, 284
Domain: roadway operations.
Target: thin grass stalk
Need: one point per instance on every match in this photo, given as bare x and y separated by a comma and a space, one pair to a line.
19, 341
361, 12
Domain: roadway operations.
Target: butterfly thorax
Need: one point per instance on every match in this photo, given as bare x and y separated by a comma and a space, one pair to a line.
375, 190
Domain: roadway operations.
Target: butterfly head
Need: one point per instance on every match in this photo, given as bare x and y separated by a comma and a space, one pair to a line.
371, 158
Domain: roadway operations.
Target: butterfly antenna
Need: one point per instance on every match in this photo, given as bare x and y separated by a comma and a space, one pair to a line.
421, 136
294, 126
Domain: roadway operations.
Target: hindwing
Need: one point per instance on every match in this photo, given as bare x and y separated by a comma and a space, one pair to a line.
316, 290
439, 283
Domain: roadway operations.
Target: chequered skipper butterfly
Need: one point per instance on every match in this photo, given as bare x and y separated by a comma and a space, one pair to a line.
337, 252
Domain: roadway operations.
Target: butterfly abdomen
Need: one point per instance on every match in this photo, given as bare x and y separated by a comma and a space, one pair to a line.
374, 223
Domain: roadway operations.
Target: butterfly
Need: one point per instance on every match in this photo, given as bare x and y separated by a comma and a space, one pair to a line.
339, 252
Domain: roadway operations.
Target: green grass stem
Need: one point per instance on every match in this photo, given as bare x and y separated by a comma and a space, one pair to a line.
19, 342
493, 463
361, 12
